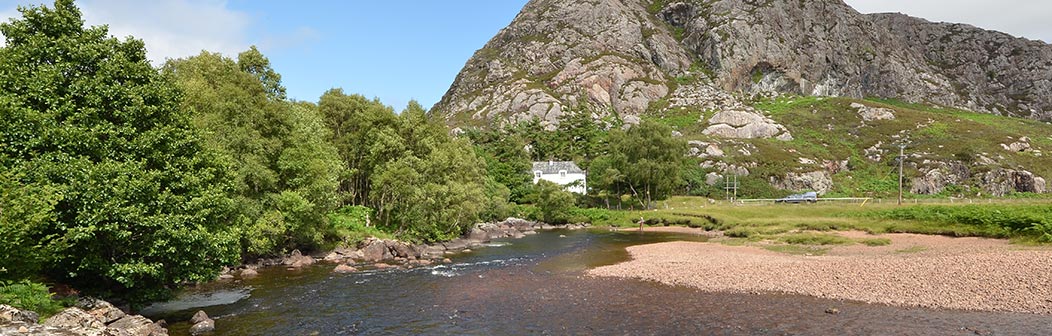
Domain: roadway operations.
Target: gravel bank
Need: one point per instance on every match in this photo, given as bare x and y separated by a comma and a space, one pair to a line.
927, 271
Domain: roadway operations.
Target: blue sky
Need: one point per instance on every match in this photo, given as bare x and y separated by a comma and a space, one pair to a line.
409, 49
394, 50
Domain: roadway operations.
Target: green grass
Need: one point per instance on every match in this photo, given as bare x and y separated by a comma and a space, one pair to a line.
1021, 219
815, 239
797, 249
875, 241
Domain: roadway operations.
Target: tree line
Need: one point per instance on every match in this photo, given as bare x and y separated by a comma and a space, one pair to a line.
126, 180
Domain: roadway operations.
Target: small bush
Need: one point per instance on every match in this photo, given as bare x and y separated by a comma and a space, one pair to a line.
740, 232
353, 224
875, 241
29, 295
595, 216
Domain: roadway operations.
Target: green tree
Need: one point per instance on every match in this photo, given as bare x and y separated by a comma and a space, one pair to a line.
287, 171
506, 160
139, 204
651, 162
555, 204
365, 135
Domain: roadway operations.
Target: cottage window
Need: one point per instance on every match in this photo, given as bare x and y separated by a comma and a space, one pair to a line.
537, 174
562, 173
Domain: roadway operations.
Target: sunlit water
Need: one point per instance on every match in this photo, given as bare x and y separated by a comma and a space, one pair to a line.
536, 285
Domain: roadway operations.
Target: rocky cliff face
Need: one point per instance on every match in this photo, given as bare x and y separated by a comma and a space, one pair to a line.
629, 57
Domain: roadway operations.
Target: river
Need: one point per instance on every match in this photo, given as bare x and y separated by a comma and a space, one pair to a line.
536, 285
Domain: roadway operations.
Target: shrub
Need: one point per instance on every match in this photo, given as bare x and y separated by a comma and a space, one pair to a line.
352, 224
740, 232
555, 204
29, 295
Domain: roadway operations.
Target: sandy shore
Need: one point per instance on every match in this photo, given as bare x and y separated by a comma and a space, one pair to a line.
915, 270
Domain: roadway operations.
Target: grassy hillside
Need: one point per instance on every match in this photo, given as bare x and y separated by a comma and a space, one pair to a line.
830, 129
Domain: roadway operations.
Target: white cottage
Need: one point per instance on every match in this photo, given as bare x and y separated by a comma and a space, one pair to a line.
564, 173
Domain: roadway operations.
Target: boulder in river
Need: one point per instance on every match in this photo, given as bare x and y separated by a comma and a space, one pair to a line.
201, 323
344, 268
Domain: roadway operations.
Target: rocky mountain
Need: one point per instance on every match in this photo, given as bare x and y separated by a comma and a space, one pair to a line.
628, 58
785, 94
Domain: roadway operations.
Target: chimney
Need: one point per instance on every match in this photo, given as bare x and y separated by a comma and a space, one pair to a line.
551, 163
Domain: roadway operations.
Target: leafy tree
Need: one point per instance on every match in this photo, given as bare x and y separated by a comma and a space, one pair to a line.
287, 171
651, 162
137, 203
25, 213
364, 133
555, 204
507, 162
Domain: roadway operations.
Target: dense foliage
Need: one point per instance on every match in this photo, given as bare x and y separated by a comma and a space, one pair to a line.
424, 184
286, 173
107, 185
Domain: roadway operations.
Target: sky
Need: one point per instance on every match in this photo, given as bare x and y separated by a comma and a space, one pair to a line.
399, 51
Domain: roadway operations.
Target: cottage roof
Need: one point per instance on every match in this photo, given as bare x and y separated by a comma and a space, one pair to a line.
553, 167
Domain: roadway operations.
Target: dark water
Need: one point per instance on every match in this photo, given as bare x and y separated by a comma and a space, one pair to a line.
535, 285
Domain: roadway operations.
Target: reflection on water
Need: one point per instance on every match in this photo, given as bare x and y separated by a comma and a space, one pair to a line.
536, 285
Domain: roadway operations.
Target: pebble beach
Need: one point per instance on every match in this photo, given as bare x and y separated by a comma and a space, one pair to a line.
913, 271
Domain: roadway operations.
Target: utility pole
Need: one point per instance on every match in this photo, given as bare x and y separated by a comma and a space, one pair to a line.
902, 158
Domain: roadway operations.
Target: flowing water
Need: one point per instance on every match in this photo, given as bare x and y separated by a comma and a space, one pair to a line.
536, 285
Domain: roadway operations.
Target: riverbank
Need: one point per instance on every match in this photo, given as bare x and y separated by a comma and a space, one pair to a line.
912, 271
374, 253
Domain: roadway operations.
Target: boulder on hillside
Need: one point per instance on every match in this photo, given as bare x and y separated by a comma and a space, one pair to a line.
873, 113
819, 181
745, 124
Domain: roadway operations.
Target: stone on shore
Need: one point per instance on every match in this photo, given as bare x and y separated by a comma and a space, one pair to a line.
297, 260
10, 314
136, 325
74, 317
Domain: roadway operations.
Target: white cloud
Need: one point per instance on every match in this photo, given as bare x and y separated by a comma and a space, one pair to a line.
170, 28
173, 28
1024, 18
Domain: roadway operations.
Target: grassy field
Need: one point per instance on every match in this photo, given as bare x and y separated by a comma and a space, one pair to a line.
1023, 221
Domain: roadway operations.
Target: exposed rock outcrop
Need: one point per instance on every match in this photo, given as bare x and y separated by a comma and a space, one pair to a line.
1000, 182
91, 317
938, 177
818, 181
745, 124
